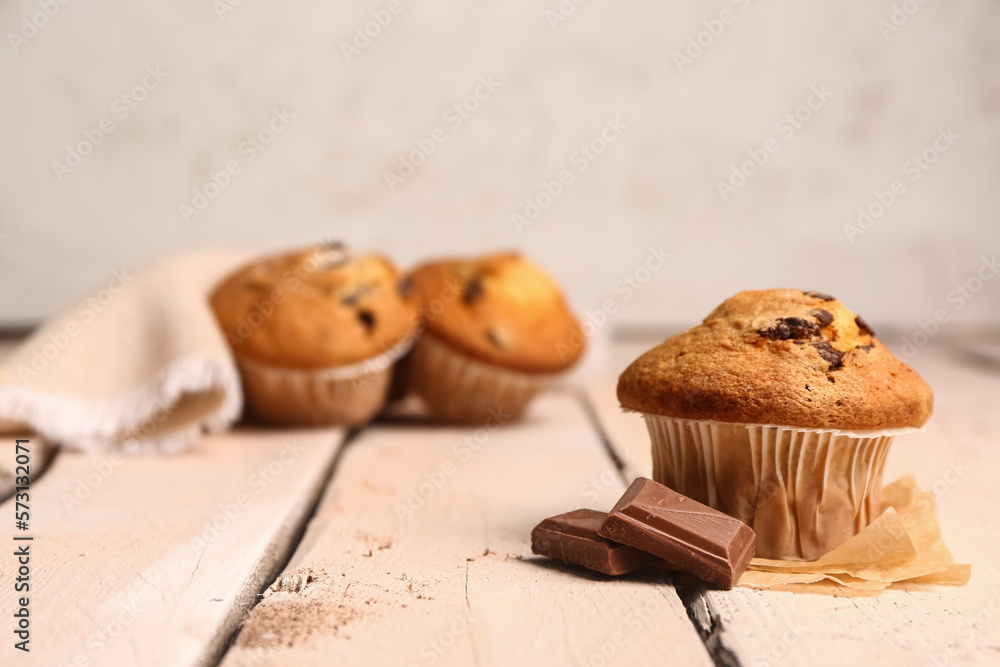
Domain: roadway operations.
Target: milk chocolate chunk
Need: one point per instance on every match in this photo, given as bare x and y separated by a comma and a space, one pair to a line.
572, 538
820, 295
686, 534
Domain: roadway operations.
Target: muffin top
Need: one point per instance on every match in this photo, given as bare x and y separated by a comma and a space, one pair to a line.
500, 309
783, 357
316, 308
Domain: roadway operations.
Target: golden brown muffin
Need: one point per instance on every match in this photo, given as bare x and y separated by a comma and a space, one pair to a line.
783, 357
315, 333
315, 308
499, 309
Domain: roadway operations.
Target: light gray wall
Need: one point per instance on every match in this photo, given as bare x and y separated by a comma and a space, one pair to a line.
656, 184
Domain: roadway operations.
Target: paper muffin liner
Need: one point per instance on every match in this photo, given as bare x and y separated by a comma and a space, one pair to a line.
803, 491
459, 388
334, 396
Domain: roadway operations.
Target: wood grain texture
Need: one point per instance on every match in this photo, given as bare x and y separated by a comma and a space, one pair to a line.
154, 560
957, 457
419, 554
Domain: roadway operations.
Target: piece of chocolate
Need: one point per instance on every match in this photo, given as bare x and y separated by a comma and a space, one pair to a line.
824, 317
830, 355
863, 326
686, 534
572, 538
791, 327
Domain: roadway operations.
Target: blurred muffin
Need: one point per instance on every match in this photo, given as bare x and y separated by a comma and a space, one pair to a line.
315, 333
497, 329
779, 409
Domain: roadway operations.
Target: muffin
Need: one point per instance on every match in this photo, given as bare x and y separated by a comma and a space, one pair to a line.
497, 330
779, 409
315, 333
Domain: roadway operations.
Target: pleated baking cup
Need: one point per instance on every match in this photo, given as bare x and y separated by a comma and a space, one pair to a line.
803, 491
459, 388
334, 396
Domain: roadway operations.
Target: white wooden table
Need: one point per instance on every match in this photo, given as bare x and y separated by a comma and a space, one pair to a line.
407, 543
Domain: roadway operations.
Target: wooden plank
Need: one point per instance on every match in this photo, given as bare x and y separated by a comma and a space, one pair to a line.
419, 554
957, 457
154, 560
42, 452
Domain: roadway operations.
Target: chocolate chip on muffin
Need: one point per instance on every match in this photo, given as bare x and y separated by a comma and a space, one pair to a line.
473, 290
763, 411
830, 355
790, 327
863, 326
824, 317
301, 320
498, 328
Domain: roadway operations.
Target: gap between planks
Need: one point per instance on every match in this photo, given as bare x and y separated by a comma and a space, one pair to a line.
454, 581
154, 560
956, 456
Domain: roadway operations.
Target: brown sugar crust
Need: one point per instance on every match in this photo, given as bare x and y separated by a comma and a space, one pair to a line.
500, 309
316, 308
783, 357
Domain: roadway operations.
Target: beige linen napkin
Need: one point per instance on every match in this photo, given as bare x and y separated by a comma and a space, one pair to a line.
140, 365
